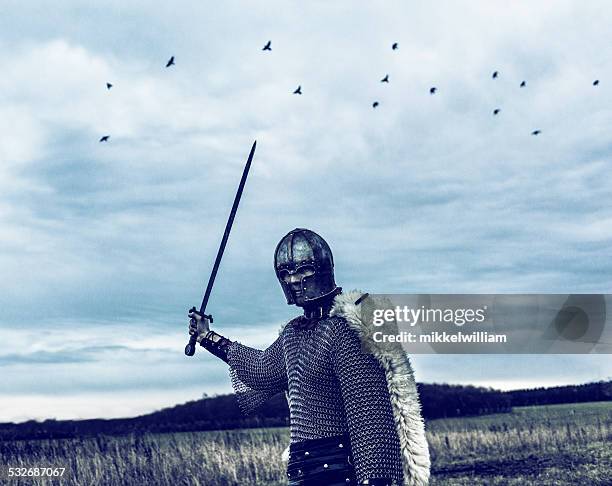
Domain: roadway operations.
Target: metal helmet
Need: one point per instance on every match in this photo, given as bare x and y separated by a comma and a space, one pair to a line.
299, 249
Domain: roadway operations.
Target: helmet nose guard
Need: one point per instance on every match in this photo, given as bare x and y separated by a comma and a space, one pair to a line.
304, 248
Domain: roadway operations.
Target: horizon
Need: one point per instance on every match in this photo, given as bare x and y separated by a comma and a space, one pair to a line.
206, 397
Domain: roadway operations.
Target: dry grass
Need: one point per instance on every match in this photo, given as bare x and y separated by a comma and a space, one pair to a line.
527, 429
204, 458
533, 445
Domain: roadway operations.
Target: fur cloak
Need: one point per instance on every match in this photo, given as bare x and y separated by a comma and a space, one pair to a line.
402, 390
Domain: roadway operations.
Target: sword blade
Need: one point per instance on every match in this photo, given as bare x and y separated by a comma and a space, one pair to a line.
228, 228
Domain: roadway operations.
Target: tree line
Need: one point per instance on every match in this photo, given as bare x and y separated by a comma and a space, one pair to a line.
222, 412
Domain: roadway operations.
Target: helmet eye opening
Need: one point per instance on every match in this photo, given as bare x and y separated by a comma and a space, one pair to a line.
284, 275
306, 270
295, 276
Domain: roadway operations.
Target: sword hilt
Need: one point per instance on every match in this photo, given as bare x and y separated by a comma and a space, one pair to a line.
193, 339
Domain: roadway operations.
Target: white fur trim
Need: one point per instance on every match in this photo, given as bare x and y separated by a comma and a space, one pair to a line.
402, 391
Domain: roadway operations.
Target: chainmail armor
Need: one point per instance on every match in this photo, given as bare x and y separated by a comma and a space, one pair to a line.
333, 389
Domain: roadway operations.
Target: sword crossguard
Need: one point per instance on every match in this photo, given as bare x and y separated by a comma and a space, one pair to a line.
205, 316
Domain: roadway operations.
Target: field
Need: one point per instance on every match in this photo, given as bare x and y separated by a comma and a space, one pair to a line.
548, 445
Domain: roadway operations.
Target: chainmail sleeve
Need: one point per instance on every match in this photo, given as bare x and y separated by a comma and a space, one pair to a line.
256, 375
374, 440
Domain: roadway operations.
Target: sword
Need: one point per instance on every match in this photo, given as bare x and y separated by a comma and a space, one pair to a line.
191, 346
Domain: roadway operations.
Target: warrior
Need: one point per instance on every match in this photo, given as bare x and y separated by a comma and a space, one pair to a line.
355, 416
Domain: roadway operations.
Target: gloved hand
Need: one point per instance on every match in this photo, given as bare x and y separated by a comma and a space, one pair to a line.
199, 324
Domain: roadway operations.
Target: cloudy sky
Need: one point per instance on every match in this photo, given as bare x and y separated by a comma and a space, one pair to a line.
104, 246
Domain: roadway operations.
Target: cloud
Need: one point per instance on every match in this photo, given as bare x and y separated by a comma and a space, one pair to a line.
84, 405
512, 372
114, 241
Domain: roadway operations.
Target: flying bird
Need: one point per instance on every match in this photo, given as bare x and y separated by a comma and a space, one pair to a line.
109, 85
432, 90
536, 132
394, 46
268, 46
496, 111
523, 84
298, 90
495, 74
375, 104
170, 62
596, 82
105, 138
385, 79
